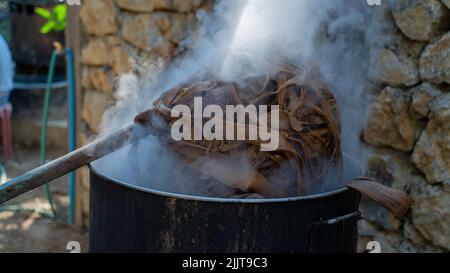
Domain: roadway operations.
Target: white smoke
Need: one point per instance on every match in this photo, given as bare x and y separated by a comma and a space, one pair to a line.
239, 39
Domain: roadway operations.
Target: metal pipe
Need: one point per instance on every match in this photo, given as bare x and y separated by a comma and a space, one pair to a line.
45, 111
72, 122
72, 129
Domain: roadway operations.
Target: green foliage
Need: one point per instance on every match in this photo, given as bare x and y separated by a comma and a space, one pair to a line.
56, 18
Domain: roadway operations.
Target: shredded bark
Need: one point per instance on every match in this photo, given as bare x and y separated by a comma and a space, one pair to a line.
310, 143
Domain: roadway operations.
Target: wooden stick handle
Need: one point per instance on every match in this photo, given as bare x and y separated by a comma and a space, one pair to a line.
69, 162
397, 202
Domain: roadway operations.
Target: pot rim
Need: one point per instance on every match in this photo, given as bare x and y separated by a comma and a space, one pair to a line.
94, 170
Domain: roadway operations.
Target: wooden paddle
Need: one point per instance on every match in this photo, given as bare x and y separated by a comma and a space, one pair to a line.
151, 122
146, 123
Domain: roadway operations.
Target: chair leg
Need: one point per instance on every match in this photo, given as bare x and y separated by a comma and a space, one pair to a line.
9, 131
4, 136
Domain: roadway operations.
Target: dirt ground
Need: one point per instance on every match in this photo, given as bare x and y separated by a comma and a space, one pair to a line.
30, 230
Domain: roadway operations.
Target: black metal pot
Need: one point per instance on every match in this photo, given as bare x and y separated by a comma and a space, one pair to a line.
127, 218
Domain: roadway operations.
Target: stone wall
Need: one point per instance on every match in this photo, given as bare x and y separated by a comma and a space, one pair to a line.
114, 32
409, 129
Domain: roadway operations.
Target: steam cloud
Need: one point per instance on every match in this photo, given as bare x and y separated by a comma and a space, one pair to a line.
238, 39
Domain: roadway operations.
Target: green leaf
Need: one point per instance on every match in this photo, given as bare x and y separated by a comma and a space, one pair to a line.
43, 12
56, 18
60, 26
60, 12
47, 27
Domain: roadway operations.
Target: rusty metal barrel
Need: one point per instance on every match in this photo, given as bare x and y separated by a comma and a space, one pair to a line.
128, 218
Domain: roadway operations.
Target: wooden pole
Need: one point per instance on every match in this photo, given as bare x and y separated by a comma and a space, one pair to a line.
73, 40
69, 162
